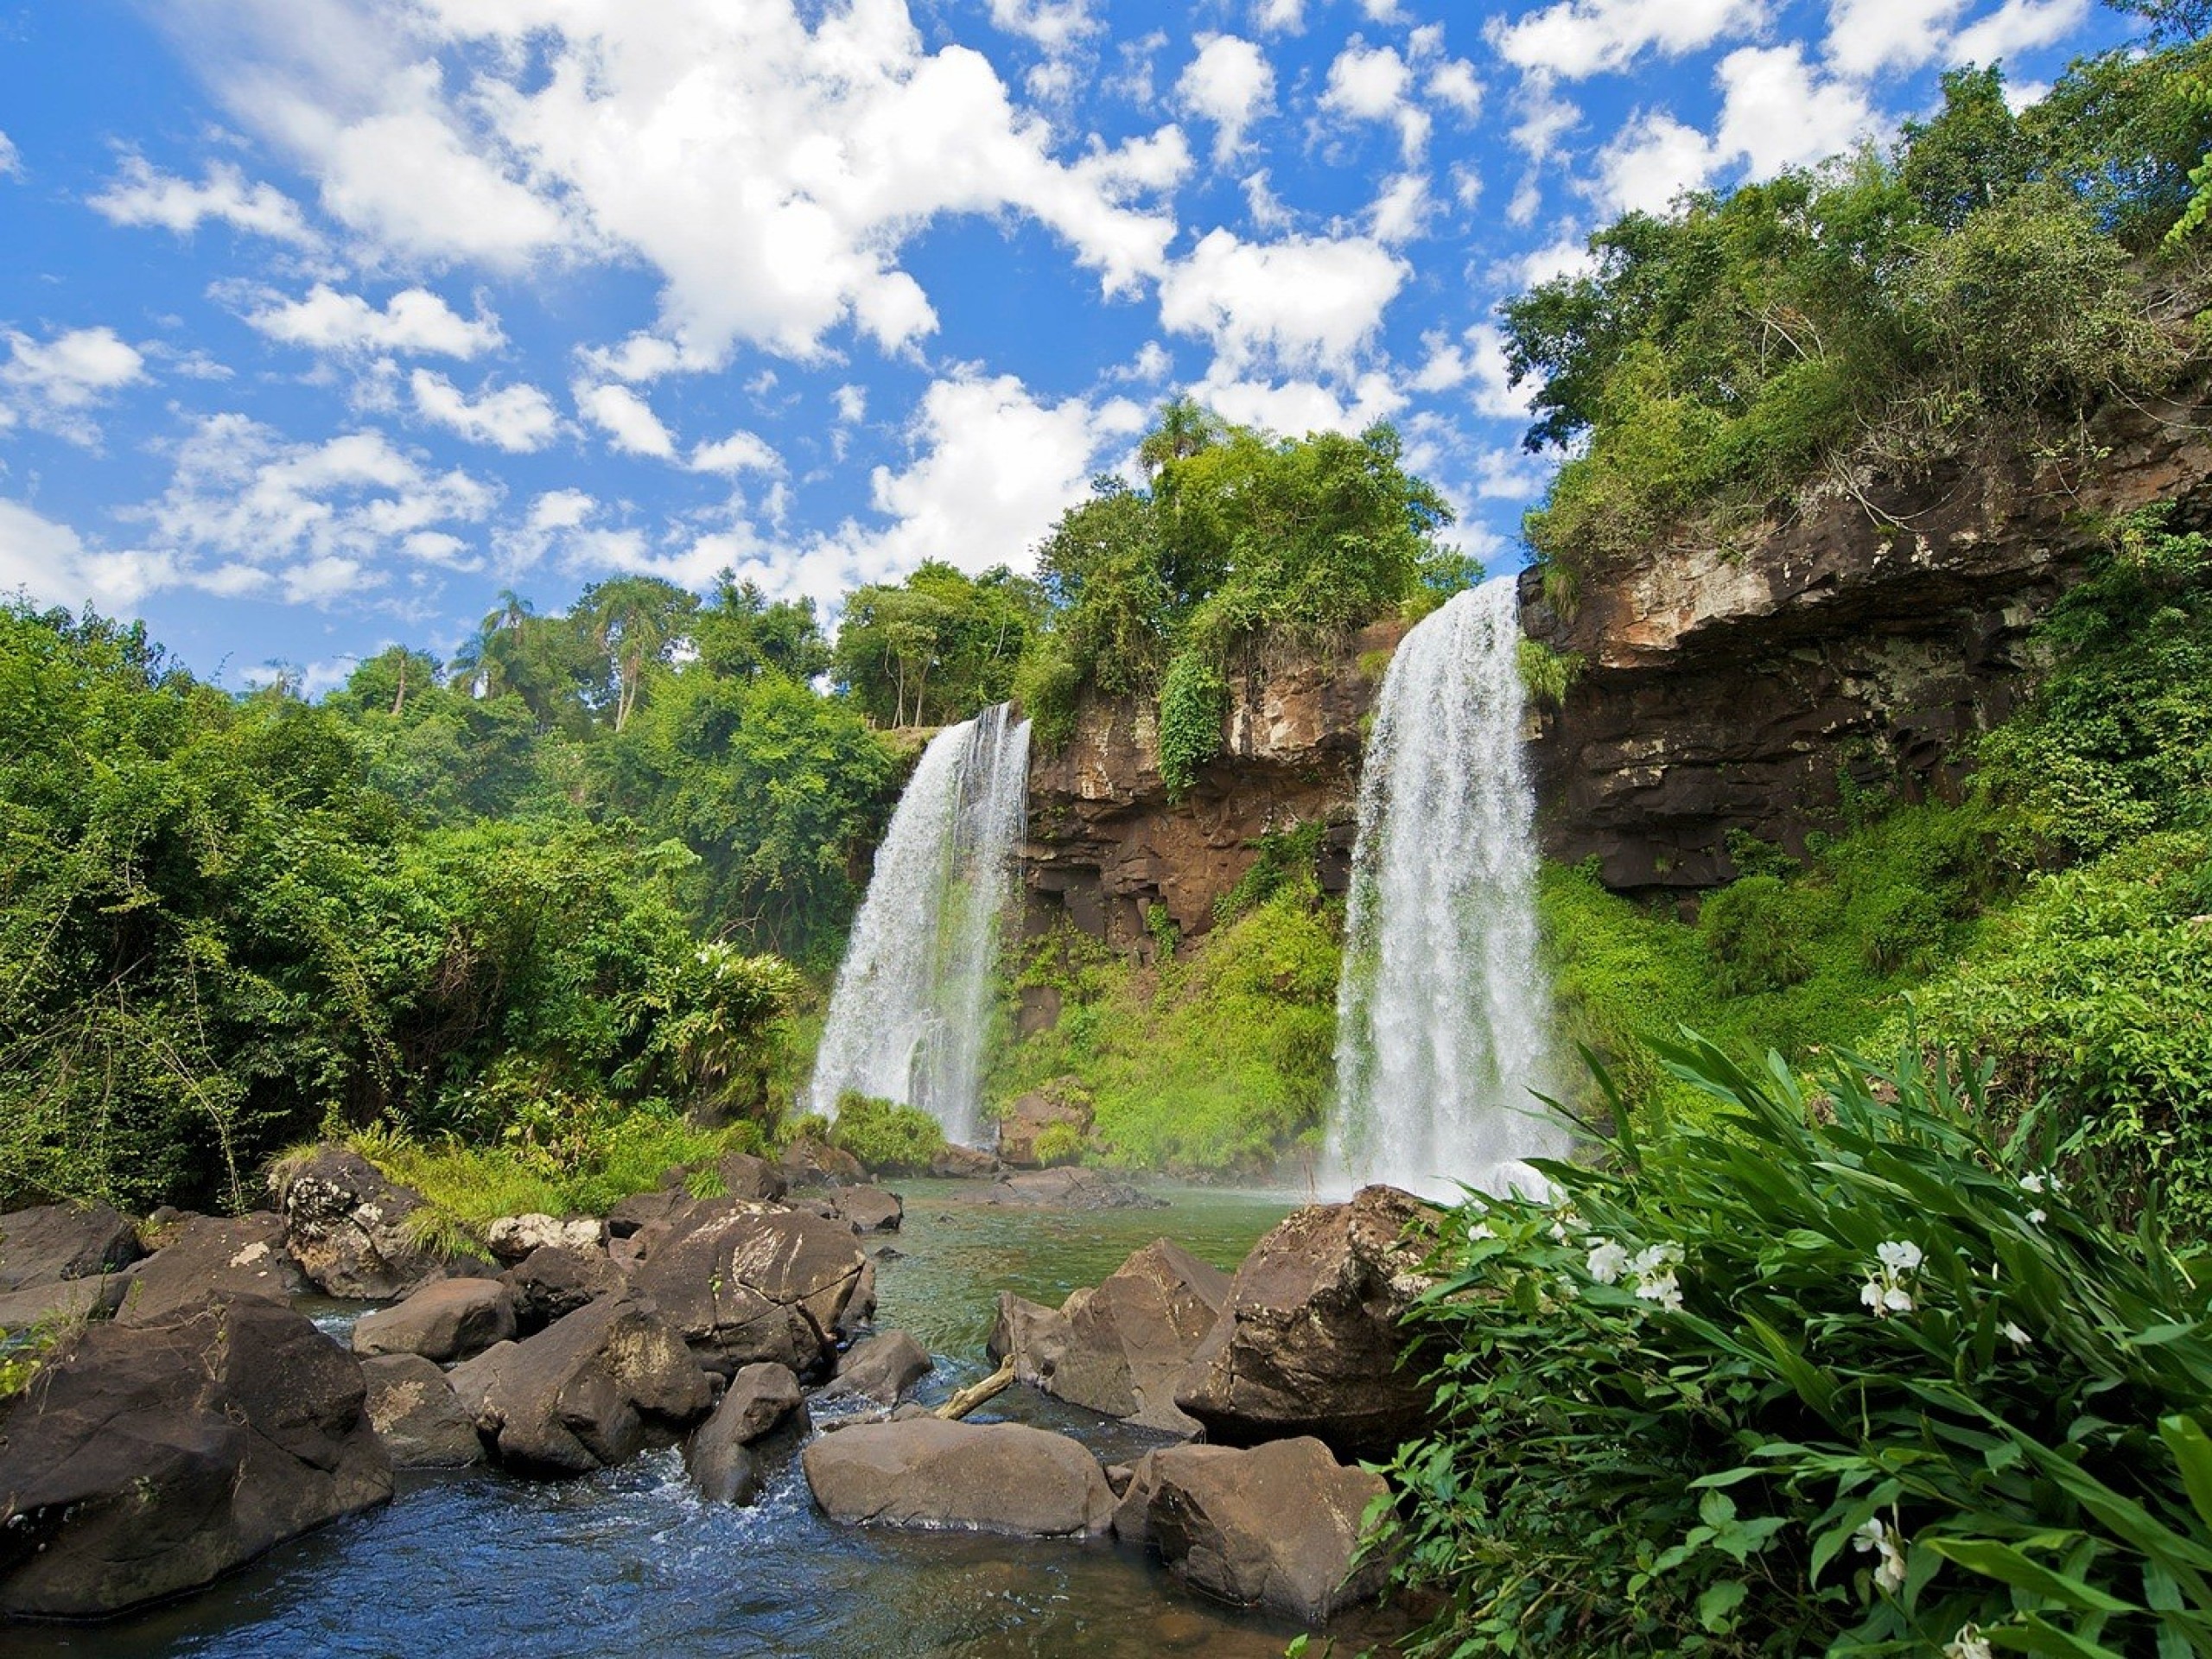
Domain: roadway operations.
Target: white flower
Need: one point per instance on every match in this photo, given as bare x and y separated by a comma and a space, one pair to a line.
1481, 1230
1661, 1289
2014, 1334
1606, 1261
1874, 1538
1898, 1254
1871, 1294
1655, 1259
2037, 1217
1897, 1299
2032, 1182
1968, 1643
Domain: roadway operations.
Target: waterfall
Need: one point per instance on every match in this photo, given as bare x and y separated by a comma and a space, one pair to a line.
1440, 1007
913, 1003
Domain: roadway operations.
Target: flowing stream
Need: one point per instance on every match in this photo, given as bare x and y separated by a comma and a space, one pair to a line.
913, 1003
1441, 1009
479, 1565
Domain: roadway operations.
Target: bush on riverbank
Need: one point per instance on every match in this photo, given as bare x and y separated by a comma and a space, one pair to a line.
1836, 1369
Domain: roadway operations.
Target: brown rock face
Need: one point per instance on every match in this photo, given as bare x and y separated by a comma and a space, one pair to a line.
242, 1256
1275, 1526
417, 1415
1032, 1114
57, 1241
1734, 689
743, 1284
447, 1320
1309, 1342
153, 1457
347, 1226
1103, 842
1000, 1477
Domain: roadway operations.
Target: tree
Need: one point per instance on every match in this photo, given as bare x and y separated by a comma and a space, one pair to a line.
635, 620
938, 646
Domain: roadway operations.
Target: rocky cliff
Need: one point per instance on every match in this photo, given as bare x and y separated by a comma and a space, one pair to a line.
1104, 842
1862, 644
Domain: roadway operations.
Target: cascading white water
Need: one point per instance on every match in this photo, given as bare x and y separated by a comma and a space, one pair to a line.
912, 1008
1441, 1009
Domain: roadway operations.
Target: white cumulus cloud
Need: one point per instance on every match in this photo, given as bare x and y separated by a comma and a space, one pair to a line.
414, 322
1230, 83
627, 419
142, 194
1301, 303
53, 383
1575, 39
519, 419
740, 452
1375, 84
50, 564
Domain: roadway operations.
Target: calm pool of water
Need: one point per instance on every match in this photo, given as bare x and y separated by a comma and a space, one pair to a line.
477, 1566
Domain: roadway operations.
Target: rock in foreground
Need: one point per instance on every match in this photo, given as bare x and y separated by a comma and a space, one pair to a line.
242, 1256
586, 1393
151, 1457
997, 1478
1310, 1343
722, 1457
449, 1319
416, 1414
744, 1284
1275, 1526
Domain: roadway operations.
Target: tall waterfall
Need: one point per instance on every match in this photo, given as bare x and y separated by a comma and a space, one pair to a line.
913, 1003
1441, 1009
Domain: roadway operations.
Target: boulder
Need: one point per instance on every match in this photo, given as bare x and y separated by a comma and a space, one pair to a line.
809, 1162
417, 1415
144, 1459
1031, 1335
954, 1162
586, 1393
244, 1255
346, 1225
870, 1208
860, 1310
1309, 1342
67, 1301
553, 1282
742, 1283
633, 1215
924, 1471
762, 1404
512, 1238
745, 1176
881, 1368
1070, 1189
1127, 1344
1273, 1527
64, 1241
1031, 1115
446, 1320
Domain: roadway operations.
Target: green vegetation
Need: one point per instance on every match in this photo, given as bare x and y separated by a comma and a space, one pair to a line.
1237, 542
937, 646
888, 1139
1983, 281
1843, 1371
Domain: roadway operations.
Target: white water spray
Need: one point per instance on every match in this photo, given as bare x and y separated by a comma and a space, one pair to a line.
912, 1008
1441, 1009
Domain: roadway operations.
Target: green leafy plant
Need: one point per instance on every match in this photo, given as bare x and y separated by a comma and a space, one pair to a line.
887, 1138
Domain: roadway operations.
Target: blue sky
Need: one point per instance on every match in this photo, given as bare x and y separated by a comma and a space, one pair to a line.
323, 320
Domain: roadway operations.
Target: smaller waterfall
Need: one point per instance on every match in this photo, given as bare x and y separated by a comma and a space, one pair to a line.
913, 1003
1441, 1009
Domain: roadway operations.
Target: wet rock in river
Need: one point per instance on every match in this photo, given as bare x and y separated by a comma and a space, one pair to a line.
996, 1477
347, 1225
551, 1283
881, 1368
450, 1320
742, 1283
416, 1414
761, 1408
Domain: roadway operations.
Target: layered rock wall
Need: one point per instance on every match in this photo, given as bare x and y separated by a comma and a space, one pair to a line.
1862, 645
1105, 843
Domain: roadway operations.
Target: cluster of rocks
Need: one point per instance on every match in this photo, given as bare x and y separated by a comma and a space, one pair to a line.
189, 1418
1289, 1370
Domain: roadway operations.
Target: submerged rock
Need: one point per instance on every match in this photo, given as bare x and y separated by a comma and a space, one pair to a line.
147, 1458
416, 1414
59, 1241
741, 1283
450, 1320
1309, 1342
345, 1224
1071, 1189
997, 1478
724, 1454
1275, 1526
244, 1255
586, 1393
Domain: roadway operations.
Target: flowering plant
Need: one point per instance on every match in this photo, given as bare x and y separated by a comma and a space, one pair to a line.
1833, 1371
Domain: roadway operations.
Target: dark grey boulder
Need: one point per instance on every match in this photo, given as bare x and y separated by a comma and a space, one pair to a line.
996, 1477
241, 1255
1070, 1189
588, 1392
743, 1283
65, 1302
347, 1226
58, 1241
762, 1410
146, 1459
881, 1368
446, 1320
553, 1282
417, 1415
1120, 1348
956, 1162
744, 1176
641, 1209
1310, 1341
870, 1208
809, 1162
1277, 1526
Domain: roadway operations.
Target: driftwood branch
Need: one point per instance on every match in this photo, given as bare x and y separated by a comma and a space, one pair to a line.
976, 1393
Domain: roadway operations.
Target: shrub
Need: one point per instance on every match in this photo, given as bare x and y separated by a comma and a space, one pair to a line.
1839, 1373
1058, 1143
887, 1138
1193, 701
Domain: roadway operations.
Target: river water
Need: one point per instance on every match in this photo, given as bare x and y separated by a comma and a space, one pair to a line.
473, 1565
